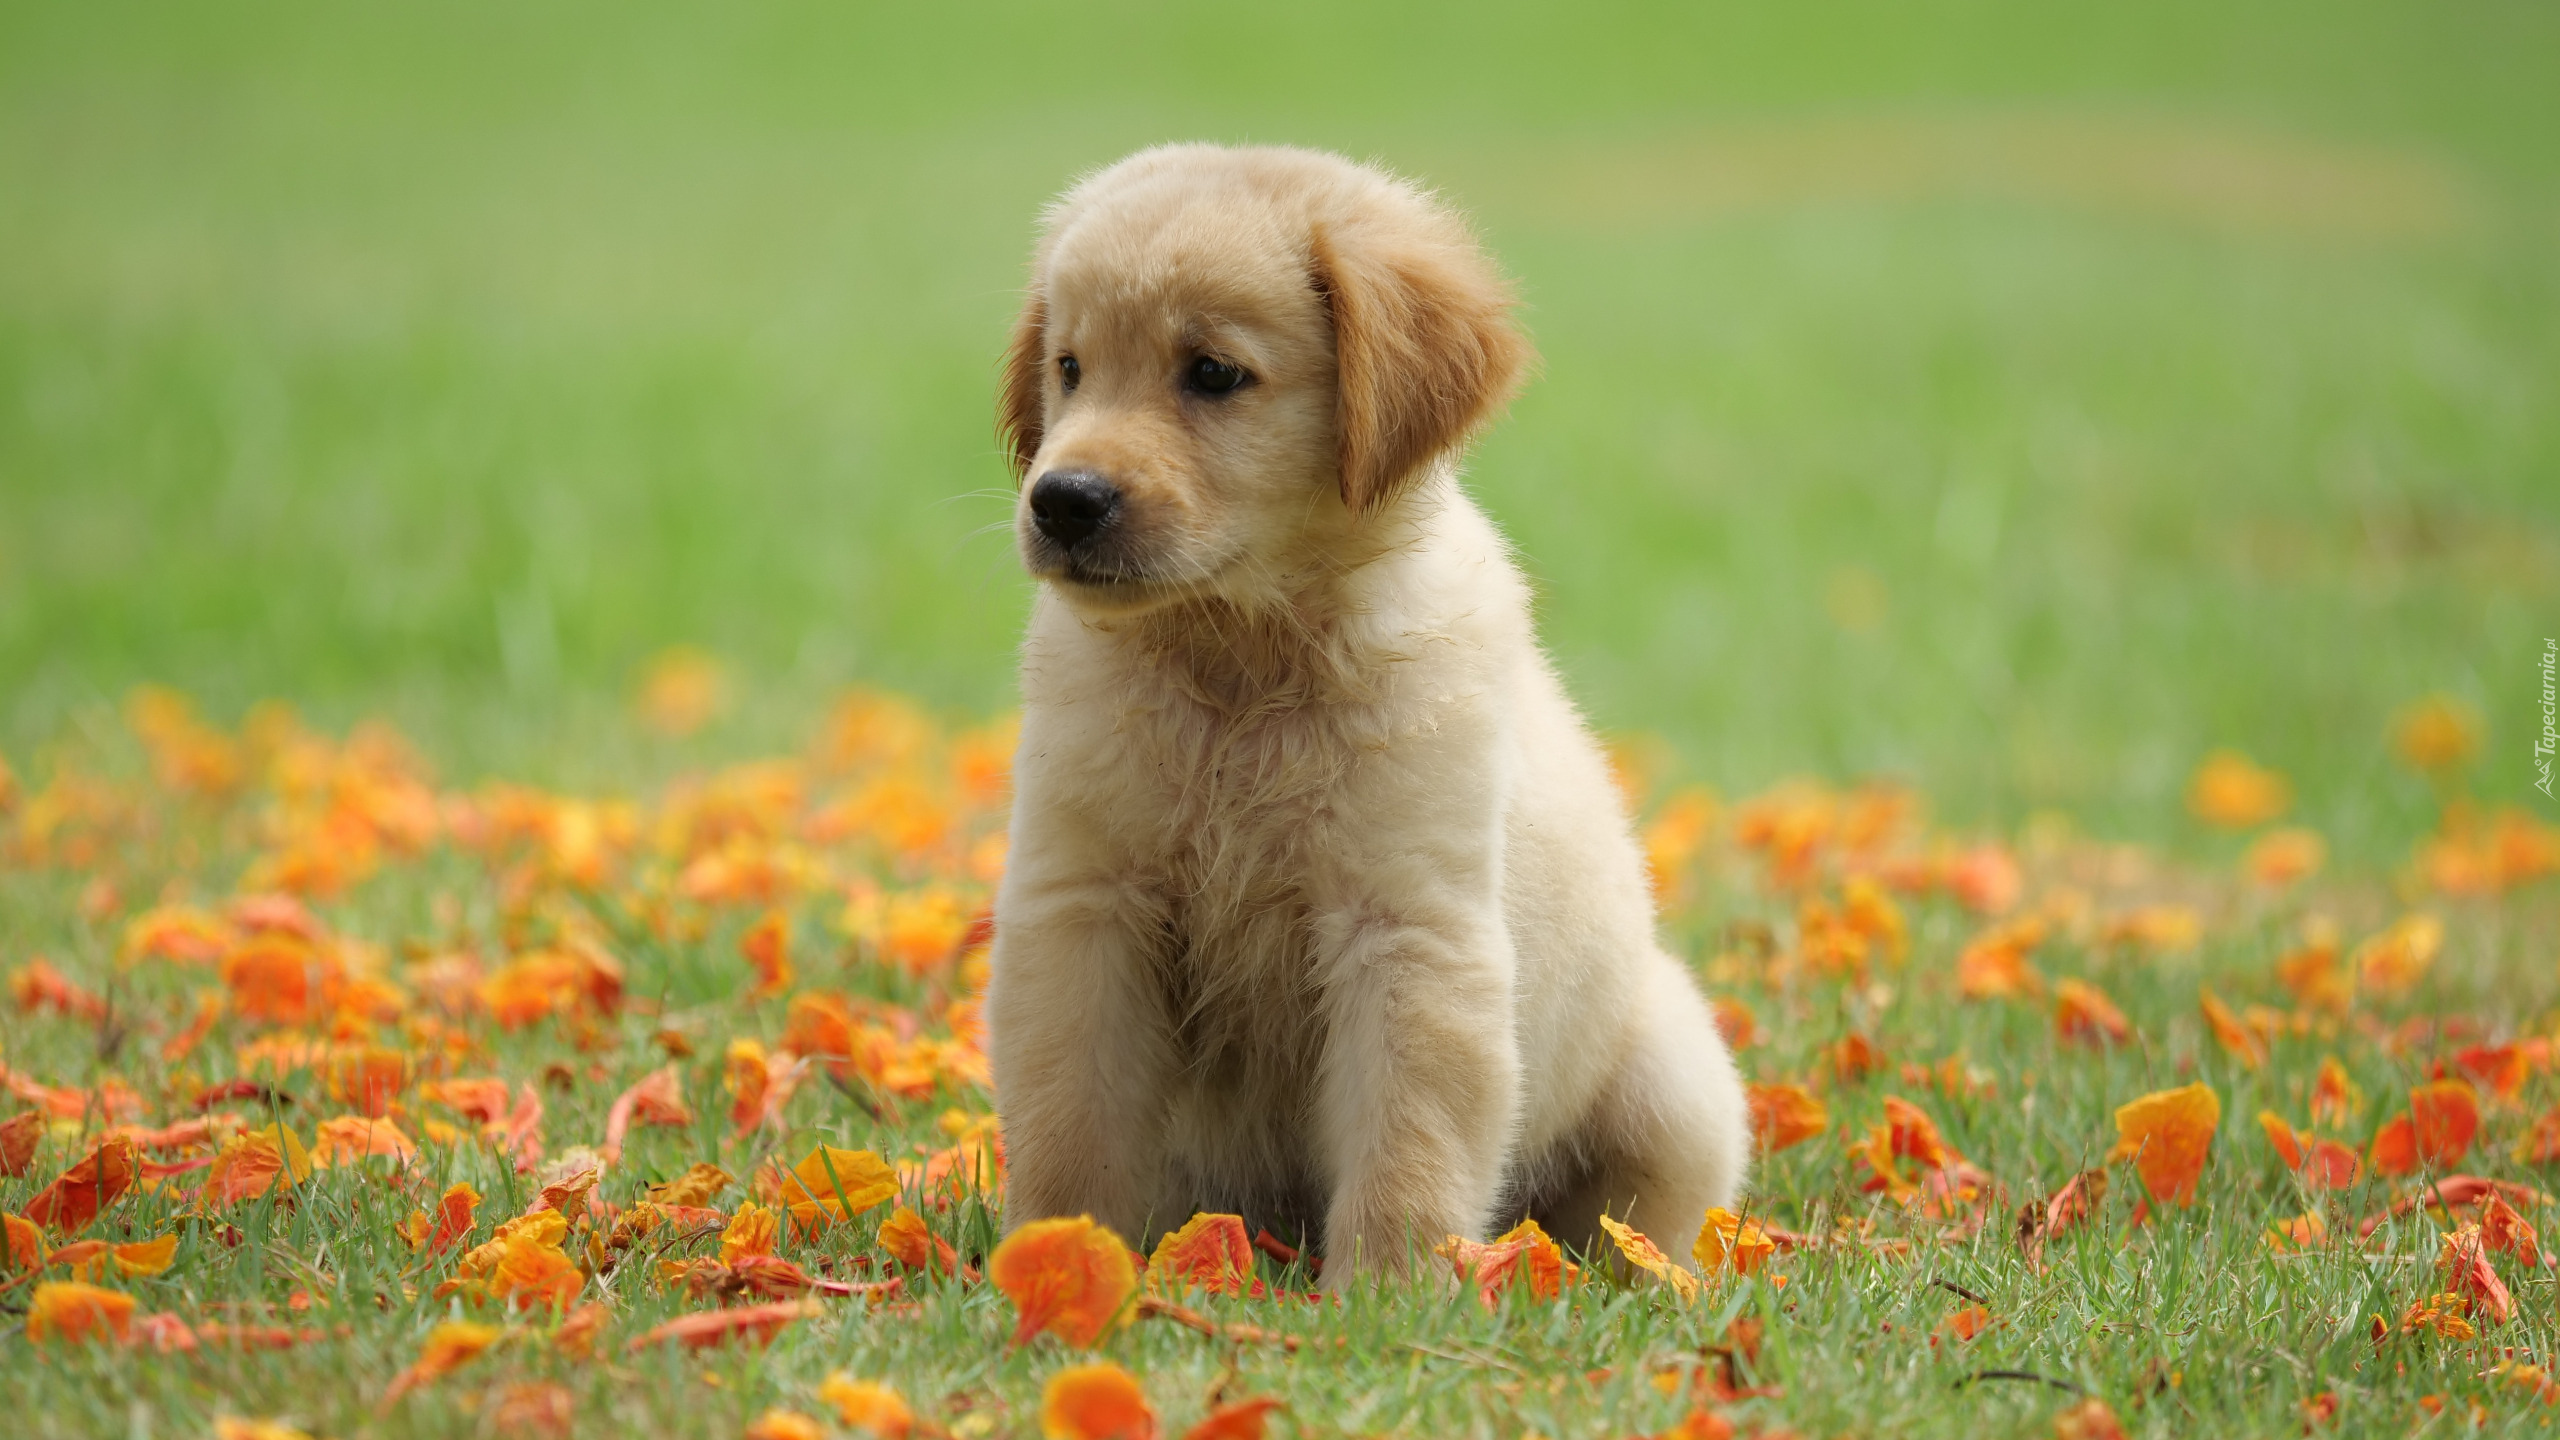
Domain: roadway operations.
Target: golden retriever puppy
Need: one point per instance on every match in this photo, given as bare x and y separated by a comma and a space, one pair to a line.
1321, 906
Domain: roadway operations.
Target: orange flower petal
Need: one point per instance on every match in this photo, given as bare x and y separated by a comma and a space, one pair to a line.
1240, 1420
2167, 1135
2444, 1117
69, 1310
1209, 1252
1785, 1115
868, 1406
1095, 1402
1069, 1277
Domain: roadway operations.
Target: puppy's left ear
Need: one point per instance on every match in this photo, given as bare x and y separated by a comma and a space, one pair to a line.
1425, 349
1019, 417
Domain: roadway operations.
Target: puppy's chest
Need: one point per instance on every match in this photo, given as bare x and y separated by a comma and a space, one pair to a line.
1232, 830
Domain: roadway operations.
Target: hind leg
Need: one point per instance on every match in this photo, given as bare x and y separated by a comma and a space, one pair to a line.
1669, 1137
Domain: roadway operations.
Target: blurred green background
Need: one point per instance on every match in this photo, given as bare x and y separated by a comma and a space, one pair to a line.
2018, 398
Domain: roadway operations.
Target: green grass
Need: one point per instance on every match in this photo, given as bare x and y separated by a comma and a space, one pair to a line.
2017, 400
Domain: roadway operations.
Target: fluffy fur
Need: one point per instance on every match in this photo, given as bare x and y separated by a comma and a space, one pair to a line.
1321, 905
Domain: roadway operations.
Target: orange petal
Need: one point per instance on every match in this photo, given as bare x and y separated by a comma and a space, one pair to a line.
1209, 1252
2082, 1012
69, 1310
2395, 1147
779, 1424
1785, 1115
1069, 1277
1644, 1255
18, 1137
2281, 1135
832, 1184
2464, 1263
2167, 1135
2444, 1116
1726, 1240
755, 1323
448, 1347
79, 1193
2237, 1038
767, 947
753, 1230
1241, 1420
149, 1257
1095, 1402
868, 1406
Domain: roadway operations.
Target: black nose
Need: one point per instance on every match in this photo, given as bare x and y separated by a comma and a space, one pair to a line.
1070, 505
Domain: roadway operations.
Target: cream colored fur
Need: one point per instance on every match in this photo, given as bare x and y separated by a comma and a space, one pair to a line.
1321, 906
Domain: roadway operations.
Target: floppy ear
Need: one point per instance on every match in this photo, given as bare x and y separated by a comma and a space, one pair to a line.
1026, 383
1424, 350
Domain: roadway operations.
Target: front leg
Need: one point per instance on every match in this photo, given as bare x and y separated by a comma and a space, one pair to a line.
1419, 1092
1077, 1038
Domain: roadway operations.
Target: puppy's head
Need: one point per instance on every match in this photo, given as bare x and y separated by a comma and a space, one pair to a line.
1232, 362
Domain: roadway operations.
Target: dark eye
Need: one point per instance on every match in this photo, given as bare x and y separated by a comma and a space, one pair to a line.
1069, 372
1210, 375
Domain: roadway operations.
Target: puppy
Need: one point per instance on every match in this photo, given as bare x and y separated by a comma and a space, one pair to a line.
1321, 906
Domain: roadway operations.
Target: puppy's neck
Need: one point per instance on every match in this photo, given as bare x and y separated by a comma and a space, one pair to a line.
1311, 636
